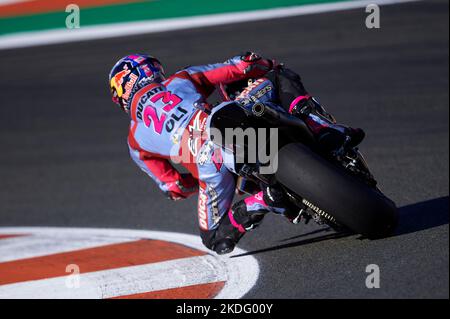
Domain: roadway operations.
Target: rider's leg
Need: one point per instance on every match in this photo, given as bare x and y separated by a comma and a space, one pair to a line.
295, 99
329, 134
222, 226
244, 216
248, 213
216, 191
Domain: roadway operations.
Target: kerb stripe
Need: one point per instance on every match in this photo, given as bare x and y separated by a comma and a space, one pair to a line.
94, 259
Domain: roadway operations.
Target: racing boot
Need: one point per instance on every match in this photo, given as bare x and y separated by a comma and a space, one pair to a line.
234, 225
330, 136
279, 203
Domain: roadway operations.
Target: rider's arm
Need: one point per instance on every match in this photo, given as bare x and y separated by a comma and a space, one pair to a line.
170, 181
237, 68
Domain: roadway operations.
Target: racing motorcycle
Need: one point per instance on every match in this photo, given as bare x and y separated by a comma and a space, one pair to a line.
336, 189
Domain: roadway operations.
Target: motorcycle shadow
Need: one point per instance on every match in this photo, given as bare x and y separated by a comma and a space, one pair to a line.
412, 218
423, 215
333, 235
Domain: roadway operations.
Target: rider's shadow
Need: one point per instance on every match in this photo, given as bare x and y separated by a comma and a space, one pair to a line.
412, 218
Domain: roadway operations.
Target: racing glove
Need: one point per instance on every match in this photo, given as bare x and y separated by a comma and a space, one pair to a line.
256, 66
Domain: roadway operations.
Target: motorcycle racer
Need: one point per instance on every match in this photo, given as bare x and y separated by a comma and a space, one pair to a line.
168, 116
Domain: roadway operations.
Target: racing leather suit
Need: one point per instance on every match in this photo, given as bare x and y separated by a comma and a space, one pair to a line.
164, 122
167, 122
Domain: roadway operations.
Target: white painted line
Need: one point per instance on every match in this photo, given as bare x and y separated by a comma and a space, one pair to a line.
122, 281
27, 39
240, 273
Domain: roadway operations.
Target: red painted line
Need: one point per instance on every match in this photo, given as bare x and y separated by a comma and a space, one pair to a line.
5, 236
113, 256
202, 291
44, 6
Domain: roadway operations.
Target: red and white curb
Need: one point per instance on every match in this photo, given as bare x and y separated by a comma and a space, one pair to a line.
117, 263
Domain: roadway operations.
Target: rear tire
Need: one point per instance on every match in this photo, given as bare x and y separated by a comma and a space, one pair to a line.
329, 189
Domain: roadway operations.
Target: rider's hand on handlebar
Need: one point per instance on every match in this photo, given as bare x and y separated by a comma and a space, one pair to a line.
256, 65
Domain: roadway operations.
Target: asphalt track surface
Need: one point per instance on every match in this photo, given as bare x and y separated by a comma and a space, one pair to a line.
64, 160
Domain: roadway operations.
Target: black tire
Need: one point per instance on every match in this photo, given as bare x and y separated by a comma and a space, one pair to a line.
330, 189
